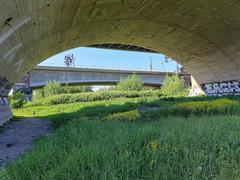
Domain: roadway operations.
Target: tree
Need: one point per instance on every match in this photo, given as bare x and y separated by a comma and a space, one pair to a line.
131, 83
174, 86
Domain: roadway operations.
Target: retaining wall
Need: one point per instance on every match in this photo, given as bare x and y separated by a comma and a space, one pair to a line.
5, 110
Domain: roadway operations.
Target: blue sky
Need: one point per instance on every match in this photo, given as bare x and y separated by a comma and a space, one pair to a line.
103, 58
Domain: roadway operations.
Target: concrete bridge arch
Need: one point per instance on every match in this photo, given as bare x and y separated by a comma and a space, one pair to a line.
202, 35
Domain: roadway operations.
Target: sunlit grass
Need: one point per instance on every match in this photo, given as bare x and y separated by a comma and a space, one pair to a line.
87, 144
172, 148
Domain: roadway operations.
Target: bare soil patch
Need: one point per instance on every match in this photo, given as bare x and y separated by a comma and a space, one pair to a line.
18, 136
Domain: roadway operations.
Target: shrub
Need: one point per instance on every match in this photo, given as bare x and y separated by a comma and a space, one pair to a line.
52, 88
38, 94
174, 86
55, 88
209, 106
97, 96
17, 100
128, 116
132, 83
219, 106
75, 89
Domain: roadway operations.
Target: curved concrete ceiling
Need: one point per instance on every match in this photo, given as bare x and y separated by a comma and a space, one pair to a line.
201, 35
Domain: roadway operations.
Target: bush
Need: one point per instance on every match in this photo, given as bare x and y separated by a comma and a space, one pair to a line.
52, 88
132, 83
75, 89
97, 96
17, 100
55, 88
38, 94
174, 86
197, 108
128, 116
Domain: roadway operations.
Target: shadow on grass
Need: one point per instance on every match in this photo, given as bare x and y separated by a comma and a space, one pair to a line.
99, 111
163, 107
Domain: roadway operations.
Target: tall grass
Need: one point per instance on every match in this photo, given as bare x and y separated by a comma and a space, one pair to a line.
172, 148
94, 140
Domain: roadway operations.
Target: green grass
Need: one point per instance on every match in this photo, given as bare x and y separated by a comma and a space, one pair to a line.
157, 145
61, 113
172, 148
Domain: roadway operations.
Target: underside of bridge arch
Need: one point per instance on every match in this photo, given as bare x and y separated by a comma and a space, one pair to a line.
201, 35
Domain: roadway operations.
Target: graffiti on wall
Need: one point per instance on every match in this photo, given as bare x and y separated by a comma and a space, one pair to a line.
229, 88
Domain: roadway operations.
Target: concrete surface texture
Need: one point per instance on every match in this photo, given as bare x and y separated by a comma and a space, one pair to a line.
87, 76
5, 111
201, 35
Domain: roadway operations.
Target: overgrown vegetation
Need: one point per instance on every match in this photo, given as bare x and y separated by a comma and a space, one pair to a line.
131, 83
17, 100
94, 140
174, 86
97, 96
54, 88
129, 116
133, 135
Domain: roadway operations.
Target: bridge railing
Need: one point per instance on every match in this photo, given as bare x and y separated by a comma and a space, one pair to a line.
109, 68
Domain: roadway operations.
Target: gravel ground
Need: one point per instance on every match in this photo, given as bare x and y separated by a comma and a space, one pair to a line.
18, 136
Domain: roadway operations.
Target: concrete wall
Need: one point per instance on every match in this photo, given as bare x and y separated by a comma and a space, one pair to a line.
5, 111
196, 89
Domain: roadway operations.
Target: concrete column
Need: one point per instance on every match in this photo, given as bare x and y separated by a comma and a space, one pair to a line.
5, 110
196, 89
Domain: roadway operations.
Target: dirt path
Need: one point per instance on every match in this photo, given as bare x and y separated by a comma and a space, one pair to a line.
18, 136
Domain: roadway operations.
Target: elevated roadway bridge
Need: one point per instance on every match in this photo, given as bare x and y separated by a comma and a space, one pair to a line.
38, 76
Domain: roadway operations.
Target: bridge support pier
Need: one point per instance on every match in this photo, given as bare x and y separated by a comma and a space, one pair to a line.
5, 110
